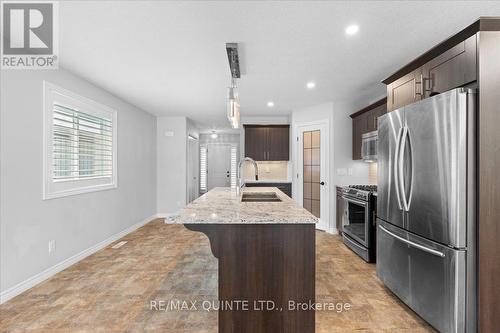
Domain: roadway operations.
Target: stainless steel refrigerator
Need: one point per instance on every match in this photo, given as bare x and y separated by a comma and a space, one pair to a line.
426, 215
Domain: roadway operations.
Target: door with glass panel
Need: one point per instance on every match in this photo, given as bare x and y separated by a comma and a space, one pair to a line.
312, 171
311, 165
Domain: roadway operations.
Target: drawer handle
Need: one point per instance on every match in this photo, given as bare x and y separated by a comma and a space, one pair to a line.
418, 246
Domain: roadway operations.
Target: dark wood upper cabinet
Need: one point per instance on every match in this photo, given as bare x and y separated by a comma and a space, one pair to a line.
405, 90
267, 142
279, 143
454, 68
364, 121
256, 142
358, 128
372, 117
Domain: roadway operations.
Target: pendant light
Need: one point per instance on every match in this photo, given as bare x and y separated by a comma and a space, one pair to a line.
233, 106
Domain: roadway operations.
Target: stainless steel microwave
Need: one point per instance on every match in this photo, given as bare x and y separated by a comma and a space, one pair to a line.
369, 146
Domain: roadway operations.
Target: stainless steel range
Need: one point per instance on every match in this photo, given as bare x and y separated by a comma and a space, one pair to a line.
358, 219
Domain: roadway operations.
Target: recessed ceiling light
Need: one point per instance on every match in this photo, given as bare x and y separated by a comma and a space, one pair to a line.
213, 135
352, 29
310, 85
270, 104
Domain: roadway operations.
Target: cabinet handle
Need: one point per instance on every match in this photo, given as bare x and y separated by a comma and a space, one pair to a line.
415, 93
424, 85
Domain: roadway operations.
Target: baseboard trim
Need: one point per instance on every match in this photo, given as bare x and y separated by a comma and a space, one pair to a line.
49, 272
333, 231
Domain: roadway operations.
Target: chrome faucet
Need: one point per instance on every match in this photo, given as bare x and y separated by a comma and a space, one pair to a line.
240, 181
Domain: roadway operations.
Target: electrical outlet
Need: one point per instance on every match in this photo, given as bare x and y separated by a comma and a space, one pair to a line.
52, 245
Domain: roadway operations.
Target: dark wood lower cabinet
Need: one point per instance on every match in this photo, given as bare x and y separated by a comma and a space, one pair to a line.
259, 262
339, 209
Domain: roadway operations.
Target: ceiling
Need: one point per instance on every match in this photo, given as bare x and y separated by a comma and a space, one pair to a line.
168, 57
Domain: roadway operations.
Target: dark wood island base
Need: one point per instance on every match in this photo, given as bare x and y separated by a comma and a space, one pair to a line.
259, 263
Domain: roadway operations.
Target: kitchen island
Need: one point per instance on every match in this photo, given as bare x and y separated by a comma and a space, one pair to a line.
266, 254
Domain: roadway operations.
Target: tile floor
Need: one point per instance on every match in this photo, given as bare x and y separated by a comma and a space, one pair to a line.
112, 290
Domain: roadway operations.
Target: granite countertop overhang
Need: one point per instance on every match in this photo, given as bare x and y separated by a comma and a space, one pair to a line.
222, 205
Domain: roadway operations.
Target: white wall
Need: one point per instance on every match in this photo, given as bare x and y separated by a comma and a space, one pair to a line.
78, 222
171, 164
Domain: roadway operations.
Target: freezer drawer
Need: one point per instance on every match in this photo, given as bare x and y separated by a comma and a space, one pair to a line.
428, 277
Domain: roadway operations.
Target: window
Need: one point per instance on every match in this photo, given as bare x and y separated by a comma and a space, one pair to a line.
203, 169
234, 165
80, 144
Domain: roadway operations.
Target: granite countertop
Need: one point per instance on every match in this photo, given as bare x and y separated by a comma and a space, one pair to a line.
222, 205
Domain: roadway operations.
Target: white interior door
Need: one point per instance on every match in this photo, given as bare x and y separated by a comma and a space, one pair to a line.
313, 171
218, 165
193, 170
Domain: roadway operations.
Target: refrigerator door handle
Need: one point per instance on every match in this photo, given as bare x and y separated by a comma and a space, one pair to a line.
396, 168
412, 172
413, 244
400, 166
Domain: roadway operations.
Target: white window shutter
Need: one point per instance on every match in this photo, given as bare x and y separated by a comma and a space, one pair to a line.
82, 145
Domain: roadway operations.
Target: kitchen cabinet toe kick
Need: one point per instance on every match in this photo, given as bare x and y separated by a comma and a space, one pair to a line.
268, 267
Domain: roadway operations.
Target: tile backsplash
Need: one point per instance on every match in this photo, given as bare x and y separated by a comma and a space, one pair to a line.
268, 170
372, 174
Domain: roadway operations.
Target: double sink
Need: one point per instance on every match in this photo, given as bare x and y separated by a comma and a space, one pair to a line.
260, 197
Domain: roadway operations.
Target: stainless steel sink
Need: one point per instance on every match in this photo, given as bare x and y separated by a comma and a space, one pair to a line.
260, 197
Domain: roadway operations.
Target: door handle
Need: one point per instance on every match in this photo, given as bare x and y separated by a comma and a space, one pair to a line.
396, 169
401, 167
410, 243
322, 183
412, 172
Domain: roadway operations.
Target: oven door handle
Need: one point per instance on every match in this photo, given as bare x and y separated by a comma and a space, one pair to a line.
354, 201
